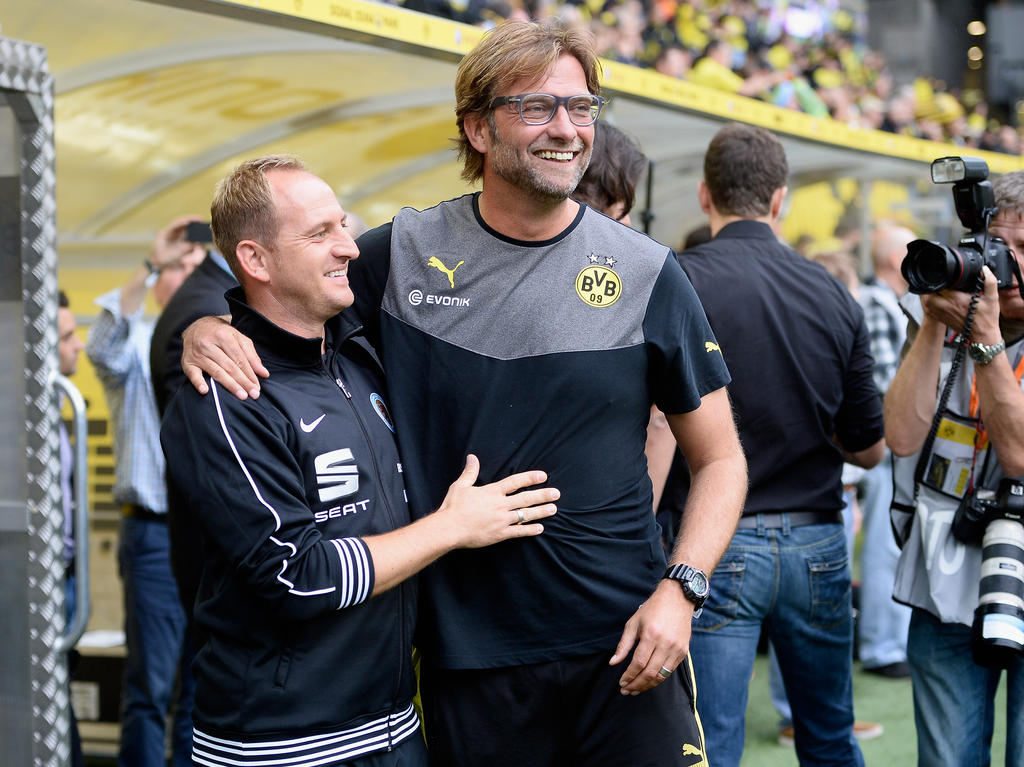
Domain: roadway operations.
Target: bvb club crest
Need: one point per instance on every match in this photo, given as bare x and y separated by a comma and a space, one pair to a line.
598, 285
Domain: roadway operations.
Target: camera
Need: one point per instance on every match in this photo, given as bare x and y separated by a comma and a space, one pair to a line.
931, 266
996, 521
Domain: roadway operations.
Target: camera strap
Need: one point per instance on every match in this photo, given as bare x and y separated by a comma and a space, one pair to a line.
954, 368
981, 437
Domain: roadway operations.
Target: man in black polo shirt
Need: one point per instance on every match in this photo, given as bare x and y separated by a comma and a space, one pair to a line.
797, 347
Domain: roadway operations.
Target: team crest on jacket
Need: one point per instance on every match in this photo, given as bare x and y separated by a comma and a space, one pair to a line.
597, 284
382, 410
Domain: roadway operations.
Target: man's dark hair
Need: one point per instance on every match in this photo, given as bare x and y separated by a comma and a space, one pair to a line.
616, 165
743, 167
62, 300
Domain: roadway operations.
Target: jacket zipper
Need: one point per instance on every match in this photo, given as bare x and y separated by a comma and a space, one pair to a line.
391, 517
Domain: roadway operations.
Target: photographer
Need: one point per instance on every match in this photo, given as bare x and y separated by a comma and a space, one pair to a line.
979, 441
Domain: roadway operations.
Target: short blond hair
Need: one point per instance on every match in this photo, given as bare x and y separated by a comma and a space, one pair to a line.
516, 50
243, 206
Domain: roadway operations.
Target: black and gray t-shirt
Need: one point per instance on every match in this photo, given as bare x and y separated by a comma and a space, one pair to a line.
533, 355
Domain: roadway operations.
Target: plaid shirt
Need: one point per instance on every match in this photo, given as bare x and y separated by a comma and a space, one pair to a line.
887, 329
118, 348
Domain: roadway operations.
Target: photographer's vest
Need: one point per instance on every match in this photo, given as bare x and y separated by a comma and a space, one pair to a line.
936, 572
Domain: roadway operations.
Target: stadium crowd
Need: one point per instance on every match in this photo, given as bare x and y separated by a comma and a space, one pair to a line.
816, 62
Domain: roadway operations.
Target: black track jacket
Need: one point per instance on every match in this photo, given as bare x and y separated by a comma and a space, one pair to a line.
297, 663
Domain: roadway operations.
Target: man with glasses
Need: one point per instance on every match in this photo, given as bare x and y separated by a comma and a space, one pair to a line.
535, 331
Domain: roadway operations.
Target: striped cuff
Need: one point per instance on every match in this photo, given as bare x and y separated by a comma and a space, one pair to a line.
356, 571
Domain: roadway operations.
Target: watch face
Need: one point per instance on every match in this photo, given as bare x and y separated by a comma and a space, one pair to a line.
977, 352
699, 584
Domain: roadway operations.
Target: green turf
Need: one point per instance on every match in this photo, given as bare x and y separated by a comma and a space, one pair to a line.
876, 699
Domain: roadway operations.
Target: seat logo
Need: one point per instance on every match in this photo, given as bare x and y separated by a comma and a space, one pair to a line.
308, 427
335, 479
437, 264
598, 286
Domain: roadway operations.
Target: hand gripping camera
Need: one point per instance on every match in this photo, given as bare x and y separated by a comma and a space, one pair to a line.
930, 266
994, 519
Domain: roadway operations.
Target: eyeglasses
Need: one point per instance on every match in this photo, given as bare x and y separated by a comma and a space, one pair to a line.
540, 108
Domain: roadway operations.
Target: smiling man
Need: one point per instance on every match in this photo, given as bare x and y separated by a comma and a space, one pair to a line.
304, 609
543, 342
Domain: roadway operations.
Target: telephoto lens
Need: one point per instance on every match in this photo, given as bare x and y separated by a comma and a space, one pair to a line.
998, 631
931, 266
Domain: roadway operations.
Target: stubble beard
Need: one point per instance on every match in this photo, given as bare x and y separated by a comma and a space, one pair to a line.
516, 169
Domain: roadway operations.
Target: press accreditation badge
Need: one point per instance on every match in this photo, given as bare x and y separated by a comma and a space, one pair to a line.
953, 455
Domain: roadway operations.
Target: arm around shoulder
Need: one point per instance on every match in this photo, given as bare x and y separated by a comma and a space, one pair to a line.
211, 346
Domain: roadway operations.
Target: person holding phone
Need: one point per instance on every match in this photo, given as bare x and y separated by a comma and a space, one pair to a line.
118, 347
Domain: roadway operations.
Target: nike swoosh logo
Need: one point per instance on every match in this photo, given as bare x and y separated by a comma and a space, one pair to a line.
308, 427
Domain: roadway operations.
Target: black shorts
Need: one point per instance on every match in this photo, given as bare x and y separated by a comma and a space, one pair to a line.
559, 714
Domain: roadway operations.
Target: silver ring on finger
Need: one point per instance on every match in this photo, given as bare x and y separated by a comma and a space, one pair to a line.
522, 517
665, 673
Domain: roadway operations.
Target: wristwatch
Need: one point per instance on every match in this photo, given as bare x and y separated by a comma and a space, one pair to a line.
694, 583
982, 354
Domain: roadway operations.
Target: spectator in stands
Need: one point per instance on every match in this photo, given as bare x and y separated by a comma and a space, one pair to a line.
1008, 140
834, 67
714, 69
674, 61
158, 651
899, 117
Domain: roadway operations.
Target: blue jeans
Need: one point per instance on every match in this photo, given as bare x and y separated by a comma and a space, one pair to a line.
954, 697
158, 647
883, 623
776, 687
797, 581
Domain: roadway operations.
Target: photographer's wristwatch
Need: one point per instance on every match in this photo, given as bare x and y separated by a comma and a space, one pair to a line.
694, 583
982, 354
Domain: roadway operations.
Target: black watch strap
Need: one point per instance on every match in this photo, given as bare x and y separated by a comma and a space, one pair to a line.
694, 582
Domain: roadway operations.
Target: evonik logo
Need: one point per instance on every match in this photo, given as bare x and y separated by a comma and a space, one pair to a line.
336, 479
417, 297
